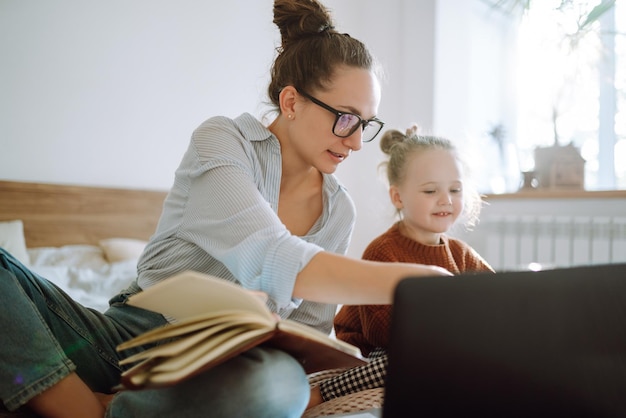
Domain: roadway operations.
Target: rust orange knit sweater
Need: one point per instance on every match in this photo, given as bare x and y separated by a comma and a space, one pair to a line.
367, 326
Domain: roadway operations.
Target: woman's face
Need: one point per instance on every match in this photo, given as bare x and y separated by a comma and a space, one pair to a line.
352, 90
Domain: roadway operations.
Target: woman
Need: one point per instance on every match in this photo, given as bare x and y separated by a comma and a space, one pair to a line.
255, 205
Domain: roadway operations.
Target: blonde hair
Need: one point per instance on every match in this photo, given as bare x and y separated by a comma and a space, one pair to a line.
400, 147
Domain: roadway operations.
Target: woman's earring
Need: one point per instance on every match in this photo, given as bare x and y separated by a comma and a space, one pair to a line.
290, 116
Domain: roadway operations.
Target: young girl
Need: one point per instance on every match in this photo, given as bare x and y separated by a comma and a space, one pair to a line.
253, 204
429, 189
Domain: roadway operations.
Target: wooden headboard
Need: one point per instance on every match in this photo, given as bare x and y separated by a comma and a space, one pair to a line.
56, 214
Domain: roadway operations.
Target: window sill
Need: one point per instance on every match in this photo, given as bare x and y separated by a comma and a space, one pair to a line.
558, 194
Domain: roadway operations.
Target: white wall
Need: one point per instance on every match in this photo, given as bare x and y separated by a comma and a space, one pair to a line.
108, 93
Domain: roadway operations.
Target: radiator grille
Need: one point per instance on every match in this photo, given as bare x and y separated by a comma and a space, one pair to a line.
514, 242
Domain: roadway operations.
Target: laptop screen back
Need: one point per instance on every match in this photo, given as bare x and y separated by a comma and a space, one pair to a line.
517, 344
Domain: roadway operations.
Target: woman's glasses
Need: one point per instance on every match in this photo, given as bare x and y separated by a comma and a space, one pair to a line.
347, 123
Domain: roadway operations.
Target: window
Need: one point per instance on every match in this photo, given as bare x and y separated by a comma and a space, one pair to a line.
572, 85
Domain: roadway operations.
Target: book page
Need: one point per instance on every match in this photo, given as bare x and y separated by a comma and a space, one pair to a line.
163, 372
193, 324
208, 332
209, 350
191, 293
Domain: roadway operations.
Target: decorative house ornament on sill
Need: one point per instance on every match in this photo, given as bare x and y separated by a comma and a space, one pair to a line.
556, 167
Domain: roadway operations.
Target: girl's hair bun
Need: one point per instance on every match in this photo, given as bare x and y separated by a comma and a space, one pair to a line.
413, 130
394, 136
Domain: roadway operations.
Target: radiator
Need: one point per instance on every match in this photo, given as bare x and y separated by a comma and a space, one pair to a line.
515, 242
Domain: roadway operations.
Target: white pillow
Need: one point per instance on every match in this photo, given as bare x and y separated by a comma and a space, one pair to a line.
12, 239
121, 249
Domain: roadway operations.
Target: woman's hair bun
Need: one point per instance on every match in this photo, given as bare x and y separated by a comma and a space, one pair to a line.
297, 19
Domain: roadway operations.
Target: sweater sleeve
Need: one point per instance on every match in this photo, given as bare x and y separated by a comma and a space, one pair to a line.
348, 328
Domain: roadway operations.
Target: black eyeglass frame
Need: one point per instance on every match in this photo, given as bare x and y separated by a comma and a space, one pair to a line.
338, 114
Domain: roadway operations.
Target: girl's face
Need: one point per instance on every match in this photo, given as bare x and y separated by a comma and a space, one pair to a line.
431, 195
352, 90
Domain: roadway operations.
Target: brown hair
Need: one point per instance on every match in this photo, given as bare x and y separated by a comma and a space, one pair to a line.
311, 49
401, 146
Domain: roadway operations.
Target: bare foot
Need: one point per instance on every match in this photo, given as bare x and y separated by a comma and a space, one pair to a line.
68, 398
316, 397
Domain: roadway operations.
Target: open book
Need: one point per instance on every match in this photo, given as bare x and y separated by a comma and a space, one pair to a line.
217, 320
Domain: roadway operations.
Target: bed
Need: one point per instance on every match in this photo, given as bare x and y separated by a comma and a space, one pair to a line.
84, 239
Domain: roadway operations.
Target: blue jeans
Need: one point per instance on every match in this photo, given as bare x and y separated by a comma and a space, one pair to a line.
46, 336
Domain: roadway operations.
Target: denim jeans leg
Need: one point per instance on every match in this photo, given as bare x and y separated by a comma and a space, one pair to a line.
47, 335
260, 383
30, 358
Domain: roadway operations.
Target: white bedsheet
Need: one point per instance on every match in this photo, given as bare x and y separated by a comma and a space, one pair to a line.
83, 272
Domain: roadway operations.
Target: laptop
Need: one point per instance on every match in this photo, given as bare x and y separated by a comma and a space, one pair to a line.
549, 343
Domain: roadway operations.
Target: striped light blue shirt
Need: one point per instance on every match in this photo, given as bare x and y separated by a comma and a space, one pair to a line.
220, 218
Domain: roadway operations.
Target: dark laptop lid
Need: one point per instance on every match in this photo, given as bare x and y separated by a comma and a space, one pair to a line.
517, 344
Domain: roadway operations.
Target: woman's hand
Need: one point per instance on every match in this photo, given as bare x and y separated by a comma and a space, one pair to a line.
433, 270
337, 279
261, 295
